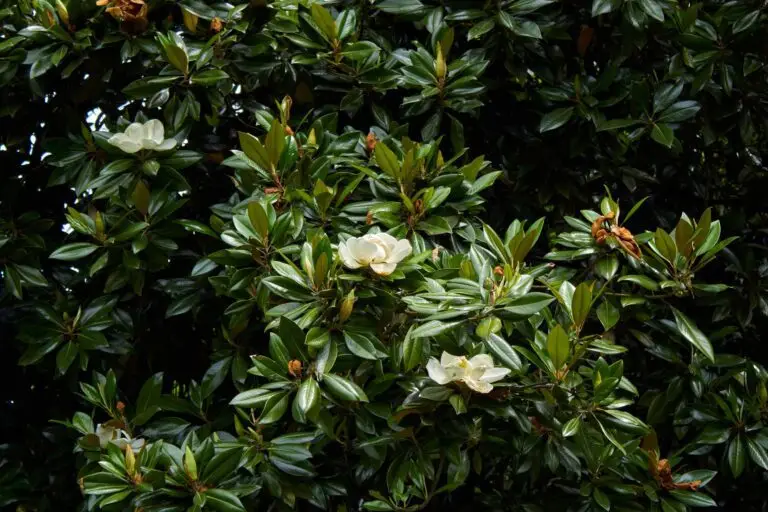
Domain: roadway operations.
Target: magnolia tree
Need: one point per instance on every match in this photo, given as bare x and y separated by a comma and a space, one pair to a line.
305, 304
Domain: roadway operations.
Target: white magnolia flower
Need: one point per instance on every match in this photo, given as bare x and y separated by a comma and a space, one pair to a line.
382, 252
150, 136
116, 436
477, 373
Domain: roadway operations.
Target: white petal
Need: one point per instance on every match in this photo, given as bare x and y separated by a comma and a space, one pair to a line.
436, 372
363, 250
481, 362
346, 257
148, 144
478, 385
450, 360
135, 132
137, 444
154, 131
494, 374
387, 239
167, 145
401, 250
383, 269
125, 143
105, 434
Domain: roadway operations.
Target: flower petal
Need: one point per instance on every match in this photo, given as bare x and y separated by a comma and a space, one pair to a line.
450, 360
363, 250
437, 373
494, 374
387, 239
125, 143
153, 130
478, 385
401, 250
346, 257
148, 144
481, 362
167, 145
135, 132
383, 269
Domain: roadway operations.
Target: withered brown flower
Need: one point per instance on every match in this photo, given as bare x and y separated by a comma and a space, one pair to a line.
132, 14
620, 234
216, 25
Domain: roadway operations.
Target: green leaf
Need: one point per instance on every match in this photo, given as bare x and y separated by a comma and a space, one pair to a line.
606, 266
666, 245
504, 352
65, 356
71, 252
433, 328
653, 9
608, 314
527, 305
412, 352
558, 346
642, 281
616, 124
571, 427
692, 498
680, 111
663, 134
746, 22
555, 119
603, 7
325, 21
145, 87
387, 160
307, 398
581, 304
344, 388
254, 149
274, 408
223, 501
360, 346
693, 334
208, 77
275, 141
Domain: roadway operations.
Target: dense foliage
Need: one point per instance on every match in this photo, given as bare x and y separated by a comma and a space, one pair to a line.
383, 255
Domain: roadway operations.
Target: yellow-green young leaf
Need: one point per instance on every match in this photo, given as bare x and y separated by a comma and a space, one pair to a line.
665, 245
275, 142
581, 304
693, 334
387, 160
140, 197
254, 149
683, 233
702, 228
190, 465
321, 269
325, 22
258, 218
558, 346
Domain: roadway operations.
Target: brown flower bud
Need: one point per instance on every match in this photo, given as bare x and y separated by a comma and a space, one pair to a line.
294, 368
216, 25
120, 406
370, 142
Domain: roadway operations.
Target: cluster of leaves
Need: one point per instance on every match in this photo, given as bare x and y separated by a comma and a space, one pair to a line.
184, 317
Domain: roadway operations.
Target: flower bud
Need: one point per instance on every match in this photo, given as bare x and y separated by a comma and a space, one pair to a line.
294, 368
